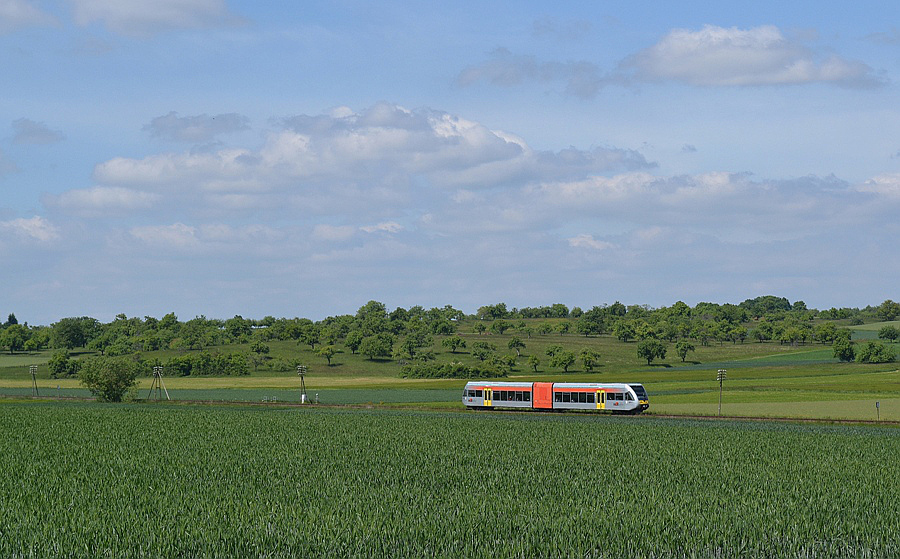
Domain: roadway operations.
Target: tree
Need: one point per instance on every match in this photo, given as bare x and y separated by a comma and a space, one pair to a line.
380, 345
453, 343
107, 378
14, 337
553, 349
563, 359
516, 344
533, 362
11, 319
889, 333
589, 358
888, 310
326, 351
61, 365
500, 326
483, 350
74, 332
353, 340
843, 349
826, 332
479, 328
310, 335
682, 348
259, 348
876, 352
651, 349
623, 331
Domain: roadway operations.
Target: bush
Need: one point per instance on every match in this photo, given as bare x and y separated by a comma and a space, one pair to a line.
875, 352
110, 380
62, 366
454, 370
208, 364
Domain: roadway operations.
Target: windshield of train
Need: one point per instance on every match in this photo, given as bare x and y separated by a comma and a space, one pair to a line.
639, 390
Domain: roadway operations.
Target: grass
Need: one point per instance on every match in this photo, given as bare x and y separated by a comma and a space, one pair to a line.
92, 480
759, 374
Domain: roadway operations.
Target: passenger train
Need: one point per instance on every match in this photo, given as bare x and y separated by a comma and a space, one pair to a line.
611, 397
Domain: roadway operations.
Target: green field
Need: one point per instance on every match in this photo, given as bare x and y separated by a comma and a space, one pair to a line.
764, 379
89, 480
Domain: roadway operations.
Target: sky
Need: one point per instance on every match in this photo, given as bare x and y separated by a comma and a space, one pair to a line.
222, 158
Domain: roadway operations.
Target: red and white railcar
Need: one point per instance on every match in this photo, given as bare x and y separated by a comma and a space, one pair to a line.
611, 397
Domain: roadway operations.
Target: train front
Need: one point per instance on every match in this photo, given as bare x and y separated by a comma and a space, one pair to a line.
643, 399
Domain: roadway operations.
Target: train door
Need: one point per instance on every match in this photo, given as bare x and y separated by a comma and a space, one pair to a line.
601, 400
488, 397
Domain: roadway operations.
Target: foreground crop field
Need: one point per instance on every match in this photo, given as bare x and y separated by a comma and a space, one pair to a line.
88, 480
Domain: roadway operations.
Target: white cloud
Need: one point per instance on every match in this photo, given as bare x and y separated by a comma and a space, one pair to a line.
588, 241
15, 14
101, 201
176, 236
384, 227
886, 184
31, 132
718, 56
141, 18
197, 128
362, 162
35, 228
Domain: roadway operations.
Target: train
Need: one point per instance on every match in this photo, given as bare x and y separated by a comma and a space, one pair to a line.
609, 397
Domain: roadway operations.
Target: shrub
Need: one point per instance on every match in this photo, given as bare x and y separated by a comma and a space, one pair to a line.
875, 352
454, 370
109, 379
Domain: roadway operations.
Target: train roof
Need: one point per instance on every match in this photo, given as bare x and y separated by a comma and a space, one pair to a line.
492, 384
596, 385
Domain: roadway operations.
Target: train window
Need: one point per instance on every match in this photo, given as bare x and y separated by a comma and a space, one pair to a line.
518, 396
619, 396
583, 398
471, 393
567, 396
527, 396
503, 395
557, 396
478, 393
590, 398
628, 396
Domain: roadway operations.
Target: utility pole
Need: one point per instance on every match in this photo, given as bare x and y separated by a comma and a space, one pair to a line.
33, 370
721, 378
301, 371
158, 384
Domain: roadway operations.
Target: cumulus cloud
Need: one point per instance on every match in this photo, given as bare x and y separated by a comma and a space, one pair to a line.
30, 132
588, 241
102, 201
32, 229
382, 156
197, 128
15, 14
886, 184
711, 57
140, 18
384, 227
718, 56
176, 236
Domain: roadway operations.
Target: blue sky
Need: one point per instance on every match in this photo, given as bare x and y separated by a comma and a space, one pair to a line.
217, 157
